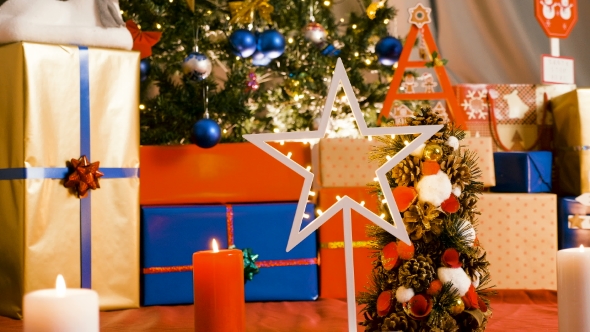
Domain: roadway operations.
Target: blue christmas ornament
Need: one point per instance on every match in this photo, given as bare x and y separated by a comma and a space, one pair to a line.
271, 43
243, 43
388, 50
206, 133
197, 66
144, 69
259, 59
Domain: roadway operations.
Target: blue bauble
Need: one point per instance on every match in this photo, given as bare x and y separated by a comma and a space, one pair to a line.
259, 59
271, 43
144, 69
206, 133
243, 43
388, 50
197, 66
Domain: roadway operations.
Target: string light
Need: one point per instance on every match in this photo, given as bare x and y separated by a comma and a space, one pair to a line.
139, 26
386, 21
370, 138
363, 203
289, 155
368, 61
338, 197
406, 143
290, 40
341, 20
306, 216
382, 216
392, 136
312, 193
225, 131
388, 158
354, 26
356, 53
375, 179
326, 3
141, 106
276, 130
319, 212
384, 201
158, 26
308, 168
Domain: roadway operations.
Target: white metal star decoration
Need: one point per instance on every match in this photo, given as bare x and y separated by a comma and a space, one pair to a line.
346, 204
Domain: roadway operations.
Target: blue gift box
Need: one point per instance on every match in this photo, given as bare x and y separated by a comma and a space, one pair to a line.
523, 172
171, 234
573, 223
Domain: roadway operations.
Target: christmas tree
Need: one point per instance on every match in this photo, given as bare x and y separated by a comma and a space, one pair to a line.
258, 92
439, 282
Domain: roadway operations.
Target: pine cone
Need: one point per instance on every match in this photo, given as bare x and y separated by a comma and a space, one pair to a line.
448, 325
422, 221
399, 321
426, 116
457, 171
417, 273
407, 171
467, 209
472, 264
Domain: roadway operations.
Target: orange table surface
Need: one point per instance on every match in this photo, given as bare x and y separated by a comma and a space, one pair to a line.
514, 310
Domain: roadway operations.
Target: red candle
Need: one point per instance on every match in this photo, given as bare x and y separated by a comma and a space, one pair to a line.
218, 277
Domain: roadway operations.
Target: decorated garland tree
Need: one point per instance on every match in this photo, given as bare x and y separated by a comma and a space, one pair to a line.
439, 282
266, 63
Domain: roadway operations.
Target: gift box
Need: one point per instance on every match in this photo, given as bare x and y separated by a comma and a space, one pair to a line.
331, 235
344, 162
226, 173
483, 146
57, 103
522, 121
572, 142
171, 234
523, 172
574, 223
519, 235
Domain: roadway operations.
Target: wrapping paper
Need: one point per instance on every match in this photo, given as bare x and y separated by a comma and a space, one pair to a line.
344, 162
572, 142
523, 172
519, 234
171, 234
226, 173
331, 235
518, 109
40, 130
574, 223
483, 146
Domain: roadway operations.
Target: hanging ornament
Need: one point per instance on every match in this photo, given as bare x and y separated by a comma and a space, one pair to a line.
197, 66
373, 8
243, 11
206, 132
388, 50
292, 87
432, 152
315, 33
271, 43
144, 69
450, 258
259, 59
242, 43
457, 307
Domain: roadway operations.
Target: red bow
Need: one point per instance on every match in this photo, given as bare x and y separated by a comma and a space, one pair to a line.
143, 41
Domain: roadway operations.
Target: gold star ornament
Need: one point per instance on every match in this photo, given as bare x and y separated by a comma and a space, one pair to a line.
419, 15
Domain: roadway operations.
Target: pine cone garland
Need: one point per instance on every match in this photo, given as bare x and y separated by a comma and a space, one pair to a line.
407, 171
458, 172
426, 116
417, 273
399, 321
422, 221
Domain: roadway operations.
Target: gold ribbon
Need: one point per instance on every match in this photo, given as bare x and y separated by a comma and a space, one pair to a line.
340, 245
243, 11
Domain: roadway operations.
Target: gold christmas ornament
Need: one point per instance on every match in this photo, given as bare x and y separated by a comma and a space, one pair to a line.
243, 11
457, 307
432, 152
293, 87
372, 9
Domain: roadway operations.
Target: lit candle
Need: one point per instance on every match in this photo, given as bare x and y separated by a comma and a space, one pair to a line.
573, 289
218, 277
61, 309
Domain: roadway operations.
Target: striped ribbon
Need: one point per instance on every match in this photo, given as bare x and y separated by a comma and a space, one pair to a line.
229, 218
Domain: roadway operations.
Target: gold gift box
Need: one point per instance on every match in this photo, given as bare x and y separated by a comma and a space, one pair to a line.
40, 128
571, 113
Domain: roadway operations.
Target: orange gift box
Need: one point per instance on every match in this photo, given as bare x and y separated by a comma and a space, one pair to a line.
331, 236
226, 173
519, 234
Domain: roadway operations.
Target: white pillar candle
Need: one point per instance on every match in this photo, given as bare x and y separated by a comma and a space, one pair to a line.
573, 289
61, 309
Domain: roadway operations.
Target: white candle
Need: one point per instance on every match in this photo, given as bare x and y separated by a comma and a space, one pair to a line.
61, 309
573, 289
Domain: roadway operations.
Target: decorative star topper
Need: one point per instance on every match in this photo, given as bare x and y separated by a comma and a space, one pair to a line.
419, 15
143, 40
84, 176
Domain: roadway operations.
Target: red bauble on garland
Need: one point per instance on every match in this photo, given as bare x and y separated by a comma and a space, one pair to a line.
384, 303
430, 167
451, 204
389, 256
405, 251
470, 299
419, 306
450, 258
435, 287
404, 197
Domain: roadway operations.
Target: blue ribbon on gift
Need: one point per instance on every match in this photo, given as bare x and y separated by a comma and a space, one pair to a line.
62, 172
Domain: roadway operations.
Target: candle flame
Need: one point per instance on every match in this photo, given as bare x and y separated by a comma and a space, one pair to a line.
60, 286
581, 248
214, 246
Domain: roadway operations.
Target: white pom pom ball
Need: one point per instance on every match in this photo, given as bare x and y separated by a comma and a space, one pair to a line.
453, 142
404, 294
434, 189
457, 277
